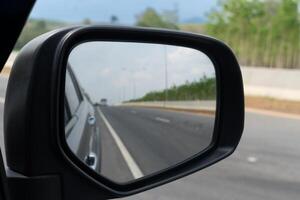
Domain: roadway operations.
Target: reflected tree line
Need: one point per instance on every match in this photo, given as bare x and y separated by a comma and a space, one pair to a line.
202, 89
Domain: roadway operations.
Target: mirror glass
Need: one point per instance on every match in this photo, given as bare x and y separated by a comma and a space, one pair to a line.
134, 109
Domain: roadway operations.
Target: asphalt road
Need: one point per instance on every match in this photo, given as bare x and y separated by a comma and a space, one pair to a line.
265, 165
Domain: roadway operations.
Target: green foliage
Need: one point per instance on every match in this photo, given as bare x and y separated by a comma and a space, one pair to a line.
262, 33
114, 19
195, 28
150, 18
34, 28
86, 21
203, 89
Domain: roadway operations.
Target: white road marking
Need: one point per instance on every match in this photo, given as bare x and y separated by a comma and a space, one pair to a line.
132, 165
252, 159
2, 100
162, 120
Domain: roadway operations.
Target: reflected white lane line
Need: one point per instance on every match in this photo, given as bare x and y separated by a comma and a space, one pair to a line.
2, 100
162, 120
132, 165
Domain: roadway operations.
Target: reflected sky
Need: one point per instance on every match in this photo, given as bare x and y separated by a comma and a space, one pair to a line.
122, 71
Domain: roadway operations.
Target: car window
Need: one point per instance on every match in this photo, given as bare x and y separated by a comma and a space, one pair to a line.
72, 96
67, 114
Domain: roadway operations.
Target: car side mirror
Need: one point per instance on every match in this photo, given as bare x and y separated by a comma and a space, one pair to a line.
113, 111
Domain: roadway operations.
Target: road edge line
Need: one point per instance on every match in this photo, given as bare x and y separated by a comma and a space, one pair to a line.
132, 165
164, 120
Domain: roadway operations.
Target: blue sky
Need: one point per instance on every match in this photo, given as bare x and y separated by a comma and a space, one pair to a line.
126, 10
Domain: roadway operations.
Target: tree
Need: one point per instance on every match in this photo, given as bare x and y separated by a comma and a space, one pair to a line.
32, 29
262, 33
41, 24
170, 16
150, 18
86, 21
114, 19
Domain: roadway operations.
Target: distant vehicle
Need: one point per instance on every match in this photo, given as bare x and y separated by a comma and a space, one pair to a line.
103, 102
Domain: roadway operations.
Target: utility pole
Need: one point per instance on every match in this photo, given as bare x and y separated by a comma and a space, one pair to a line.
134, 89
166, 75
124, 93
132, 80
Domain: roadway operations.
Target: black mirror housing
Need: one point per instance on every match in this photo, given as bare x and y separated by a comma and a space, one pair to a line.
34, 113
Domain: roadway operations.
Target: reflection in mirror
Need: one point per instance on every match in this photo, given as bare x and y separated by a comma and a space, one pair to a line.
135, 109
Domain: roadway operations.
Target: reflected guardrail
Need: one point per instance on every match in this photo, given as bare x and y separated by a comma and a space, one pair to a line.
207, 107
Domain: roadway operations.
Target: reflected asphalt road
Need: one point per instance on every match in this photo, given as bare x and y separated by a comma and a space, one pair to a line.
155, 138
265, 165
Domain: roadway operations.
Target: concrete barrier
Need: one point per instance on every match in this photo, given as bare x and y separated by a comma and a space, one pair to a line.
274, 83
201, 106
